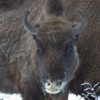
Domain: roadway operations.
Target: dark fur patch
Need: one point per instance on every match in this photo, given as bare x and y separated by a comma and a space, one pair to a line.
10, 4
55, 7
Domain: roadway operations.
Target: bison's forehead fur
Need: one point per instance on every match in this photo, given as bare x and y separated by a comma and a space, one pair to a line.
55, 32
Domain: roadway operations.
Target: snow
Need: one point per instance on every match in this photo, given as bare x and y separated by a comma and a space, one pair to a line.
18, 97
4, 96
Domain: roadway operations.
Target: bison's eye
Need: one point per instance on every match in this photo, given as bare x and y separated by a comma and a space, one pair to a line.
39, 50
39, 47
70, 47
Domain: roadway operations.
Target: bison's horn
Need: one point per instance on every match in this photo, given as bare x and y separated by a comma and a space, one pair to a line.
79, 28
27, 25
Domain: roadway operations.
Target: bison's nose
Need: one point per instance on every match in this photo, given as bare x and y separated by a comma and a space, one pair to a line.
55, 86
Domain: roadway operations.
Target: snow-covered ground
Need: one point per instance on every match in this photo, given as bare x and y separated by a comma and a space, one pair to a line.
10, 97
18, 97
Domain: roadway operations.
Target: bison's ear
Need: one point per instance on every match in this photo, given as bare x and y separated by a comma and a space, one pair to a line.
79, 27
30, 28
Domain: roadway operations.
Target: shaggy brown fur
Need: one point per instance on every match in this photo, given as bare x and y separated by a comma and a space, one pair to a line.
19, 70
10, 4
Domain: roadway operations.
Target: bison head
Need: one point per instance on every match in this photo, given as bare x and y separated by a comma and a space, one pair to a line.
57, 55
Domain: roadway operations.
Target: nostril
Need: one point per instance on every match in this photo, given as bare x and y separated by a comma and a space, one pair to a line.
48, 83
59, 83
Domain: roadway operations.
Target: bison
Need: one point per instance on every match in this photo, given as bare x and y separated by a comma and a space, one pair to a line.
51, 61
